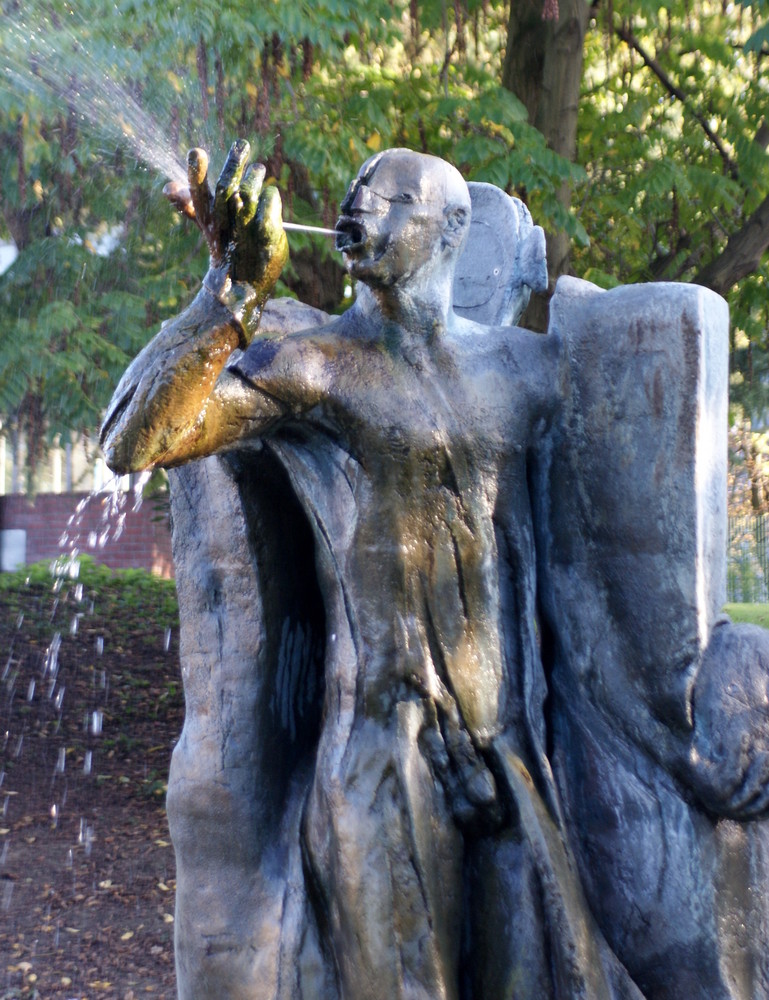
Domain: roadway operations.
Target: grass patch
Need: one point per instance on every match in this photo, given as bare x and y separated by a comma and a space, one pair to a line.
128, 601
753, 614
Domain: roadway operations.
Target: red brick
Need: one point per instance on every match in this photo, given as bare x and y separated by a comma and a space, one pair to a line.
145, 542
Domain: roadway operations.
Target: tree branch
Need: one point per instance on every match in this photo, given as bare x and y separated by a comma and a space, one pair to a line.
741, 255
674, 90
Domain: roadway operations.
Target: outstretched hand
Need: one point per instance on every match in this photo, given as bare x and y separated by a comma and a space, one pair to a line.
242, 222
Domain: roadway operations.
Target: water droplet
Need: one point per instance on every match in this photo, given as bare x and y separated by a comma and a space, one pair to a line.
88, 762
20, 620
99, 645
59, 699
70, 858
97, 718
7, 894
79, 593
31, 690
73, 625
61, 761
51, 662
55, 815
167, 640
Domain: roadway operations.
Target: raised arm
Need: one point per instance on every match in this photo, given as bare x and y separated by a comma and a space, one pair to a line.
177, 401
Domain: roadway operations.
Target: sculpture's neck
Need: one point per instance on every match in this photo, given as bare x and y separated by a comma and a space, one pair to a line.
422, 313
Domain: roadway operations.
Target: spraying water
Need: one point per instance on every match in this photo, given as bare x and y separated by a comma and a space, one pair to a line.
47, 58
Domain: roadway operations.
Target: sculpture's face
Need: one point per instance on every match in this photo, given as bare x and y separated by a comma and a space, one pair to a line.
393, 217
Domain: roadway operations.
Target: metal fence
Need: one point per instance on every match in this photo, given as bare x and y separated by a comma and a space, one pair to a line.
747, 576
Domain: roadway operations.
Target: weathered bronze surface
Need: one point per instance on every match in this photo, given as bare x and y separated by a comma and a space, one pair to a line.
462, 721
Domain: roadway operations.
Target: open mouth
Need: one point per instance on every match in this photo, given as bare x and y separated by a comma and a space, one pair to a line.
349, 234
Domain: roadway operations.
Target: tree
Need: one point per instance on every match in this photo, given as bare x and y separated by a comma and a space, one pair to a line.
642, 127
544, 66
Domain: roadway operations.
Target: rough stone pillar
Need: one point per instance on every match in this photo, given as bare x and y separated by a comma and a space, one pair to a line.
637, 551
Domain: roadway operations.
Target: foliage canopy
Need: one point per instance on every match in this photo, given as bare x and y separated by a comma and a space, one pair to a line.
670, 159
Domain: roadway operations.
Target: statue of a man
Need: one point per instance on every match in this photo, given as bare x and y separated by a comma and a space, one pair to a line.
424, 556
407, 839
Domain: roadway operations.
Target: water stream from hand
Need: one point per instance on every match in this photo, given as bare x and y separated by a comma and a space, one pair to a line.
47, 58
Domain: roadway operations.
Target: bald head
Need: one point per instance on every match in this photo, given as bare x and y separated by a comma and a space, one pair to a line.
405, 213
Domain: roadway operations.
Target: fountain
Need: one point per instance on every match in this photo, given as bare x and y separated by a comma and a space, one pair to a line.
461, 708
462, 716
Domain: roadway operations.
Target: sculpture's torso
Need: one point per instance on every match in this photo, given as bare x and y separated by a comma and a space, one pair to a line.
434, 434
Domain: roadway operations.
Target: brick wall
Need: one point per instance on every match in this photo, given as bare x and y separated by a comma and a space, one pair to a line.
144, 542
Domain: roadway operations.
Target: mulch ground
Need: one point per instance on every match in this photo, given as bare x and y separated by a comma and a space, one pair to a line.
89, 712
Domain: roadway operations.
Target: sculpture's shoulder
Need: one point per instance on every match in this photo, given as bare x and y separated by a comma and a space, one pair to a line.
525, 367
513, 346
296, 365
285, 315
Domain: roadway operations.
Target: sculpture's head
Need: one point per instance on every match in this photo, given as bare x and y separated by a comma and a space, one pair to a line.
405, 215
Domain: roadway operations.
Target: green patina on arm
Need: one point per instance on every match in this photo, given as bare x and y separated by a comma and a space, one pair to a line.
174, 403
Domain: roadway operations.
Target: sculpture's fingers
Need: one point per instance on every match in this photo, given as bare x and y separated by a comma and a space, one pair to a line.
250, 189
200, 191
225, 210
179, 196
268, 245
269, 215
243, 204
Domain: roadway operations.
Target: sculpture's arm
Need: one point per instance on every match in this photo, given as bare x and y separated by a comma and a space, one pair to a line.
176, 401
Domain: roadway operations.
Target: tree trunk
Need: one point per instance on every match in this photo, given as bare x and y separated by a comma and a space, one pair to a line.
543, 68
741, 255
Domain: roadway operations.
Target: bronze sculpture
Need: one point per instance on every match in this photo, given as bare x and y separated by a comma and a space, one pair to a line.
390, 648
